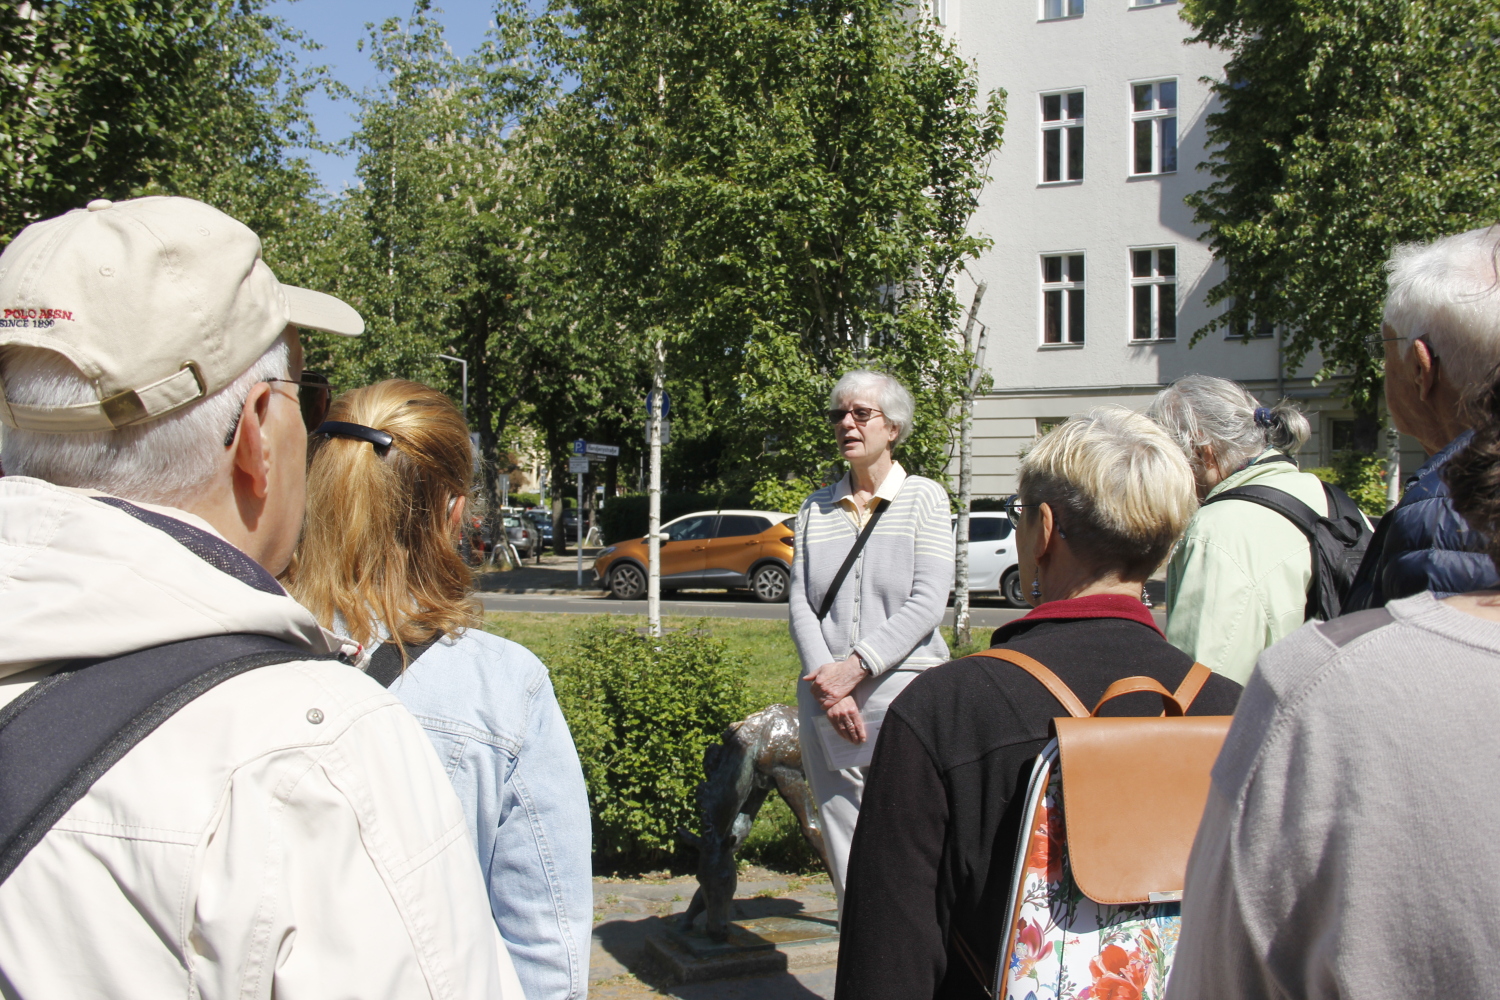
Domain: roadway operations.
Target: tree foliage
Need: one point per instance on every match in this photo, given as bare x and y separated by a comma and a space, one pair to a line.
115, 98
778, 192
1345, 127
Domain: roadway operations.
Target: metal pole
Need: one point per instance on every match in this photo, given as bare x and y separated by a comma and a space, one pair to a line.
580, 531
653, 531
962, 634
1392, 463
449, 357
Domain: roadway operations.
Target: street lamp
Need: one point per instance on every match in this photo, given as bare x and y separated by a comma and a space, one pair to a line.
449, 357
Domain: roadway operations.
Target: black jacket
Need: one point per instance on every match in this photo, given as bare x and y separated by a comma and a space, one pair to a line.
1423, 544
935, 845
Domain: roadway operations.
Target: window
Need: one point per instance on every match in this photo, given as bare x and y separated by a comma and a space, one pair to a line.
1062, 299
1150, 3
734, 525
1153, 119
1153, 294
1046, 425
1062, 137
988, 529
692, 528
1054, 9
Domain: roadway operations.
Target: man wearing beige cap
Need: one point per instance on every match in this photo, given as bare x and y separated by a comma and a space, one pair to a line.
199, 794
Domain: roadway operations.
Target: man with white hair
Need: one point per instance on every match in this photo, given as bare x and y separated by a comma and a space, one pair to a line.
199, 794
1441, 334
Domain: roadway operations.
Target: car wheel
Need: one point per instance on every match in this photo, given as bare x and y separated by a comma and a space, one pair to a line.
627, 582
1010, 589
769, 584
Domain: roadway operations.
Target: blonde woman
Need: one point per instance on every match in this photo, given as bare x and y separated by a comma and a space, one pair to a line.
1103, 497
378, 563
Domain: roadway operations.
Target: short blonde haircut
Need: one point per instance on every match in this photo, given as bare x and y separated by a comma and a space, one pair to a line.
1118, 486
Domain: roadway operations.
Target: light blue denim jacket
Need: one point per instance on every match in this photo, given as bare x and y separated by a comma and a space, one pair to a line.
487, 705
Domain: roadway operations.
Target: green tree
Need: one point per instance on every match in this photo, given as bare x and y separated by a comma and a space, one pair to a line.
777, 192
115, 98
1343, 129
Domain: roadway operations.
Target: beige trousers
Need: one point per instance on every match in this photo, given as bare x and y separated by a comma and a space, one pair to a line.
838, 792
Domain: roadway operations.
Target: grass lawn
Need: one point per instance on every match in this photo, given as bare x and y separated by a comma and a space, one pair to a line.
764, 650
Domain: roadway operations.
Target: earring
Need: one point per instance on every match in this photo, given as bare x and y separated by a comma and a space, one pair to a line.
1036, 587
1145, 596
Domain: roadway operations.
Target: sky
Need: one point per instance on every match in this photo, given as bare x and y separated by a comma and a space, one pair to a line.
339, 25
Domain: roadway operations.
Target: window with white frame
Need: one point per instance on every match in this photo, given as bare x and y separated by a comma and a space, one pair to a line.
1150, 3
1055, 9
1153, 122
1062, 298
1153, 293
1062, 137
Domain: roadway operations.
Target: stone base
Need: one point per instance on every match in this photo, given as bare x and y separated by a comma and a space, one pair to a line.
755, 947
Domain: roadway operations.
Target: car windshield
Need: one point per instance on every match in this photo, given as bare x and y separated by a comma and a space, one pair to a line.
512, 522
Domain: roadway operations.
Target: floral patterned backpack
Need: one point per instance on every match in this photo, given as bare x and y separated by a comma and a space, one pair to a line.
1110, 814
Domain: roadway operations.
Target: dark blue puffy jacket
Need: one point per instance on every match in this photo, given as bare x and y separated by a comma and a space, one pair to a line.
1423, 544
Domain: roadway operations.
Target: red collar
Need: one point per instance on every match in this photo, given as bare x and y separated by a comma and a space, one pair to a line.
1095, 606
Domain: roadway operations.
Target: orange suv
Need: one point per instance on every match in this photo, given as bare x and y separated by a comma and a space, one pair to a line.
724, 548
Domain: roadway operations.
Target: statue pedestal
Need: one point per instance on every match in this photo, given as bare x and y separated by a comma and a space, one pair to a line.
755, 947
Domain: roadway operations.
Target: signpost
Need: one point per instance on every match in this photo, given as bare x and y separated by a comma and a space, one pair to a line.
578, 467
657, 407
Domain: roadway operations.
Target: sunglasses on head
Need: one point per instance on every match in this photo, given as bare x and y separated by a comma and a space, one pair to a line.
314, 394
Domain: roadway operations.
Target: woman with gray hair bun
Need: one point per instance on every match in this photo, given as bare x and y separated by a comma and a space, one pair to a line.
1238, 581
870, 581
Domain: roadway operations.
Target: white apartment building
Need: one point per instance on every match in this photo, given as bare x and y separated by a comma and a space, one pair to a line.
1097, 278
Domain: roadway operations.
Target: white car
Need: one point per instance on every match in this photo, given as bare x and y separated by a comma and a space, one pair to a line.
992, 557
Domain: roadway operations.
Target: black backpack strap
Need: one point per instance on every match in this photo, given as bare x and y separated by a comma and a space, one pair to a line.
63, 733
385, 662
859, 543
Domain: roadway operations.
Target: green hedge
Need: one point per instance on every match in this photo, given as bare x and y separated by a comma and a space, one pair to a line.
629, 516
1361, 476
641, 711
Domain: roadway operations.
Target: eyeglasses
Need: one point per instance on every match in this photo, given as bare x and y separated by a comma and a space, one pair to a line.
313, 397
862, 414
1013, 508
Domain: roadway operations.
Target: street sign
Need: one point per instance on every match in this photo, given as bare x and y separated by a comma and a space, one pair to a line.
601, 449
666, 403
580, 447
577, 465
666, 431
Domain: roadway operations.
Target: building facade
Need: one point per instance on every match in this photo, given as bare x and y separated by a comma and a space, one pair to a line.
1097, 277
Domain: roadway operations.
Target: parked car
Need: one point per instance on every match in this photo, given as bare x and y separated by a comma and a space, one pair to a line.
992, 557
522, 534
727, 549
541, 520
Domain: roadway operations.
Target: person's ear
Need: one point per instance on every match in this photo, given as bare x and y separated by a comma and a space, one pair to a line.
1046, 537
252, 457
1423, 367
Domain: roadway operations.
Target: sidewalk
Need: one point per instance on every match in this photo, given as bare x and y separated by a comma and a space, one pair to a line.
553, 574
628, 911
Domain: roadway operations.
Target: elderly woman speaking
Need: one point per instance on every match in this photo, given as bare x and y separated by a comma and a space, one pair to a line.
870, 580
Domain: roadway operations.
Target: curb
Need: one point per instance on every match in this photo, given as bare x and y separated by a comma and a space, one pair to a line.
571, 591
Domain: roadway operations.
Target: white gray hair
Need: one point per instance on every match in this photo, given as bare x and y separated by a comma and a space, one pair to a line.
170, 460
889, 395
1449, 292
1199, 410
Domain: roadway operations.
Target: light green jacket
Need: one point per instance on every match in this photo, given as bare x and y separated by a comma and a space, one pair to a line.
1238, 580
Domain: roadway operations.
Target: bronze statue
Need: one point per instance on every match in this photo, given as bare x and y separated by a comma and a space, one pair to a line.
756, 753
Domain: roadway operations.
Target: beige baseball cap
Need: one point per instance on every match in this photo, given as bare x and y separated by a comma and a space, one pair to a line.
158, 301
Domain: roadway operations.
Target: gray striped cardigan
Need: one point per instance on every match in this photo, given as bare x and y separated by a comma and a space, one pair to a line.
892, 602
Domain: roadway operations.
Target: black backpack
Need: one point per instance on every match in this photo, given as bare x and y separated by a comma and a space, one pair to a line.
1338, 542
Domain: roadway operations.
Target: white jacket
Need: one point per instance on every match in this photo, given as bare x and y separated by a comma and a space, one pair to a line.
241, 849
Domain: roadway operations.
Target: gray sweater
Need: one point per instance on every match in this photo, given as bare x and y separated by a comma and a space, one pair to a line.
892, 602
1351, 843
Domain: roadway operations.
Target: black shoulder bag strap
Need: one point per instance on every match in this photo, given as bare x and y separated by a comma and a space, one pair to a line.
859, 543
385, 662
63, 733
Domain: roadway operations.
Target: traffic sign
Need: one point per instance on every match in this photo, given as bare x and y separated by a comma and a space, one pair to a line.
603, 450
666, 403
666, 431
580, 447
577, 465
